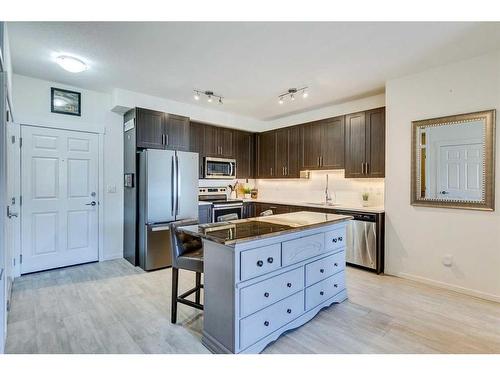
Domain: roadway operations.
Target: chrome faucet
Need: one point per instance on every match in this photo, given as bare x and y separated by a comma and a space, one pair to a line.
328, 198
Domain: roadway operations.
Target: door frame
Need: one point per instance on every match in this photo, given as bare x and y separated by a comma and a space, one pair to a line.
99, 130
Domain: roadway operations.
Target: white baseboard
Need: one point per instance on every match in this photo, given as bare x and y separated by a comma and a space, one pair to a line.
111, 256
455, 288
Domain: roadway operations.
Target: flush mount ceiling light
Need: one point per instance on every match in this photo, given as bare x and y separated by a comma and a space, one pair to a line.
71, 64
209, 94
292, 93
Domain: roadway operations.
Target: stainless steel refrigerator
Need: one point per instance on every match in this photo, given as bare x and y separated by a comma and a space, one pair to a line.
167, 192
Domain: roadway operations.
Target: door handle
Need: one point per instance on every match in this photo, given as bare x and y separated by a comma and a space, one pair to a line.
93, 203
11, 214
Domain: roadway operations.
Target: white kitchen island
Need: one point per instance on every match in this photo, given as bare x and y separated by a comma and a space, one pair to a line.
264, 276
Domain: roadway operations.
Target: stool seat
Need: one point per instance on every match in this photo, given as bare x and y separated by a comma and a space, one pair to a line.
191, 260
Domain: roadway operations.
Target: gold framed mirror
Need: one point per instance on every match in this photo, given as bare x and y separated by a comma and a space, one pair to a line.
453, 161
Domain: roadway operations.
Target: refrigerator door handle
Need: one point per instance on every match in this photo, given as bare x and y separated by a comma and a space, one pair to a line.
172, 182
178, 193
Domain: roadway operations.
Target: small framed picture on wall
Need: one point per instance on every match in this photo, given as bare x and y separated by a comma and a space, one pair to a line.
65, 102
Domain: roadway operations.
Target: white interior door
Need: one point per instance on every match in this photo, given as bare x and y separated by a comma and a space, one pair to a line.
59, 170
460, 171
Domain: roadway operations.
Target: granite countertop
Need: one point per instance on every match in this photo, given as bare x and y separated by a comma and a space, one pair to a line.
237, 231
340, 206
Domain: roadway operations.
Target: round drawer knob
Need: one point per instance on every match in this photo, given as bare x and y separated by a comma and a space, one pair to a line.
334, 240
322, 270
289, 311
321, 293
289, 285
270, 260
340, 238
266, 294
335, 264
266, 323
260, 263
335, 285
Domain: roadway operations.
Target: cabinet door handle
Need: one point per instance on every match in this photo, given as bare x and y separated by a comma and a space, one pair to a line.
271, 171
289, 285
266, 294
362, 168
321, 293
270, 260
335, 265
318, 162
266, 323
335, 285
166, 139
260, 263
322, 270
321, 161
286, 171
367, 168
283, 171
289, 311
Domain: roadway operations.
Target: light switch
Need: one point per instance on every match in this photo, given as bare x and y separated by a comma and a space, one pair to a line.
111, 188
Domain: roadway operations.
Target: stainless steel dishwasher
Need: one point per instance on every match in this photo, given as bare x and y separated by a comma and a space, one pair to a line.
362, 240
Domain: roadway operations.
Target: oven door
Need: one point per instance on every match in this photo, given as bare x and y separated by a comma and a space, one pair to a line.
226, 209
217, 168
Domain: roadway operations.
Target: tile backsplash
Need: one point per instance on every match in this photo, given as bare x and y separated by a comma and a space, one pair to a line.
343, 190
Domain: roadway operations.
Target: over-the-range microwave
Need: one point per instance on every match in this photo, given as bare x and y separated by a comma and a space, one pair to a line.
220, 168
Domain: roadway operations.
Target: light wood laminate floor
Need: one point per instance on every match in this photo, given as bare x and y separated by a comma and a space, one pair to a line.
113, 307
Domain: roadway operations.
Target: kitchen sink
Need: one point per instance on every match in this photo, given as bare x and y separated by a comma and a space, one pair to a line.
323, 204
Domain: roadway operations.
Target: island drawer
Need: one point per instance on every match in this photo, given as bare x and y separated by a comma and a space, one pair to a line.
302, 248
324, 290
324, 268
267, 292
256, 262
335, 239
264, 322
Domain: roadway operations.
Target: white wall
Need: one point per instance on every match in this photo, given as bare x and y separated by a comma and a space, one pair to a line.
417, 238
347, 191
31, 101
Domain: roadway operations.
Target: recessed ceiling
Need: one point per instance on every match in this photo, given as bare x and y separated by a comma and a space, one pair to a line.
250, 64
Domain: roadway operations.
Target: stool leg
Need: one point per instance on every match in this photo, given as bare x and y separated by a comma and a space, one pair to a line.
198, 283
175, 290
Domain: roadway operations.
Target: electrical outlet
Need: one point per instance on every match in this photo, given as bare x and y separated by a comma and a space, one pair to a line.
111, 188
448, 260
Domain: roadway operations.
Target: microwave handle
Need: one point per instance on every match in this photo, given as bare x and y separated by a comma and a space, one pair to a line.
232, 169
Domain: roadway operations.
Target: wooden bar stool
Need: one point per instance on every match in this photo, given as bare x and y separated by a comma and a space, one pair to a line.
187, 254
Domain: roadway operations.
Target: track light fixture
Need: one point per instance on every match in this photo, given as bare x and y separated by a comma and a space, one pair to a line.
291, 93
209, 94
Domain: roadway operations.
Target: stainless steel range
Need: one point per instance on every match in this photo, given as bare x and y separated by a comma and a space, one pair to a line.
221, 204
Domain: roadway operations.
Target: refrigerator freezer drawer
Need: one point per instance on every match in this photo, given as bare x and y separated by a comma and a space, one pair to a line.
157, 249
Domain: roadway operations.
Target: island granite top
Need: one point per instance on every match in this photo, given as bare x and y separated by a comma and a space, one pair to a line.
243, 230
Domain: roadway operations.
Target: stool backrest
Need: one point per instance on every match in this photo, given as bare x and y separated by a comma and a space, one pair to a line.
227, 217
182, 242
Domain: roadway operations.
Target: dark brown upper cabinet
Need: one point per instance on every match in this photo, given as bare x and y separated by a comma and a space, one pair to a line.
277, 153
161, 130
244, 144
150, 128
196, 143
176, 132
322, 144
365, 144
266, 155
287, 147
219, 142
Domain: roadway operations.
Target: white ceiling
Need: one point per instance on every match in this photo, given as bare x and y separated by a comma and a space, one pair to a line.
250, 64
